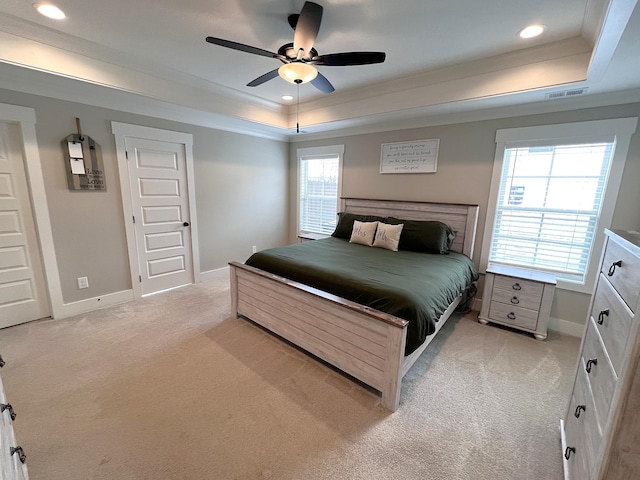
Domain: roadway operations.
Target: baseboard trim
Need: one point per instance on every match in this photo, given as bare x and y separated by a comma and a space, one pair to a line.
216, 274
555, 324
566, 327
90, 304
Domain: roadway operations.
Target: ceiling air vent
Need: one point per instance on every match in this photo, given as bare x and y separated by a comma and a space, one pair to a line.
566, 93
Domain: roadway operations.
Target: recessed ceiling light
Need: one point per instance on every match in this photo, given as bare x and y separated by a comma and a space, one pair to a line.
531, 31
287, 97
49, 10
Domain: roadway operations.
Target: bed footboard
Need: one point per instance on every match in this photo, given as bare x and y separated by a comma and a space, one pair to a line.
363, 342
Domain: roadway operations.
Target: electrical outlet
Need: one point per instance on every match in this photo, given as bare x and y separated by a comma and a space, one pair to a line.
253, 249
83, 282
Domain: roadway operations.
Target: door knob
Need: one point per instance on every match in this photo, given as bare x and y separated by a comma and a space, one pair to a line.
185, 224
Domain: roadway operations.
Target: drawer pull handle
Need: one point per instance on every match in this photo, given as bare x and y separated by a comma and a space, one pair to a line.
2, 362
511, 316
568, 451
515, 300
7, 406
601, 315
20, 452
612, 268
590, 363
516, 286
578, 408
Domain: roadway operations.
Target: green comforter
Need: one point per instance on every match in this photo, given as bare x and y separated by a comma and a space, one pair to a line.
417, 287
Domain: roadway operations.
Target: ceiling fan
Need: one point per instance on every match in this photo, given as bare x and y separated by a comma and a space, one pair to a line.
300, 58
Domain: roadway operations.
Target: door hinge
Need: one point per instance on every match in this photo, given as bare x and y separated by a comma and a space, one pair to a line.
140, 278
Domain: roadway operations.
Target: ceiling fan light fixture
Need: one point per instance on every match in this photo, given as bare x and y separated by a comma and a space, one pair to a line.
297, 72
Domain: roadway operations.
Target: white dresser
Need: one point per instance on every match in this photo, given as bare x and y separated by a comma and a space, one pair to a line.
601, 429
12, 457
518, 298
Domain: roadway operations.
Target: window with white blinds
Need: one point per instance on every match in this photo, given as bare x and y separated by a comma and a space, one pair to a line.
553, 193
318, 187
549, 201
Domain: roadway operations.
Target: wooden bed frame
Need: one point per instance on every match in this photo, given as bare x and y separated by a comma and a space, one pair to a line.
363, 342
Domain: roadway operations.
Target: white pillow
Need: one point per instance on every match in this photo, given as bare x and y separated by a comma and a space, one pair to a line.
388, 236
363, 232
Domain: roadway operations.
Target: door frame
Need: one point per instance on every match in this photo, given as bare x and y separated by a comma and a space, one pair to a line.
120, 132
25, 118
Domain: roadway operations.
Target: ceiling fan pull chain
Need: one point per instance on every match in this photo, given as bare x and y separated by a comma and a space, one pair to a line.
298, 108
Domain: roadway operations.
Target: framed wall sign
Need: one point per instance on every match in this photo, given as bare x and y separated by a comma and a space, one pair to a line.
416, 156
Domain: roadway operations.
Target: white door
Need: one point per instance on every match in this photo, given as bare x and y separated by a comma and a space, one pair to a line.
160, 204
22, 289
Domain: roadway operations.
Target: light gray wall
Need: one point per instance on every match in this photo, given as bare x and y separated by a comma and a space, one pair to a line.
240, 182
465, 165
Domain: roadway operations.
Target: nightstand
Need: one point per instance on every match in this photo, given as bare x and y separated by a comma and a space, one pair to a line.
307, 237
518, 298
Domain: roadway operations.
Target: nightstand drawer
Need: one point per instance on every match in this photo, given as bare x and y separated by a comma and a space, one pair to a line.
518, 299
521, 287
602, 377
622, 269
613, 320
510, 314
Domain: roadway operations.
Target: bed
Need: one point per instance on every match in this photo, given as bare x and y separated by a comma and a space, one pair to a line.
376, 347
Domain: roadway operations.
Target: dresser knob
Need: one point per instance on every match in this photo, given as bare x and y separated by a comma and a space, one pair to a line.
516, 286
7, 406
568, 451
20, 452
590, 363
515, 300
601, 315
578, 409
511, 316
612, 268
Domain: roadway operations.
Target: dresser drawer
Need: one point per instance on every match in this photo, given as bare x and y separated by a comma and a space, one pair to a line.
575, 454
602, 377
512, 315
583, 412
622, 269
613, 320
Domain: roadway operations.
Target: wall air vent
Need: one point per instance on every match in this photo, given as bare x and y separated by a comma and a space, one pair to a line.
566, 93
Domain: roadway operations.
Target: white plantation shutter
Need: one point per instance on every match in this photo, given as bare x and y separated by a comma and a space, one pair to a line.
548, 205
318, 193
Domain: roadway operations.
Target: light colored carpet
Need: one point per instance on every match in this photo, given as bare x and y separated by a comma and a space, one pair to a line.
171, 387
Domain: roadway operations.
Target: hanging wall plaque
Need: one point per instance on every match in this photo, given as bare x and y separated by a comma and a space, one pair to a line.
417, 156
83, 160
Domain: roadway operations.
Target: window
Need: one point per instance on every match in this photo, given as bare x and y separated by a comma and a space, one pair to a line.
552, 195
319, 172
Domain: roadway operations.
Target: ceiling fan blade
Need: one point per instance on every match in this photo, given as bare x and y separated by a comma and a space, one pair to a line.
322, 84
349, 58
241, 46
307, 28
263, 78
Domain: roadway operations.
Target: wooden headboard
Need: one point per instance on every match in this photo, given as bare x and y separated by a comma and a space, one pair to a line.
461, 218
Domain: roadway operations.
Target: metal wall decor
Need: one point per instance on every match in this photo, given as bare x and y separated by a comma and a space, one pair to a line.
83, 160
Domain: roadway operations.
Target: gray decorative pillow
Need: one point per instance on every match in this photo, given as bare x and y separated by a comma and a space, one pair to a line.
388, 236
363, 232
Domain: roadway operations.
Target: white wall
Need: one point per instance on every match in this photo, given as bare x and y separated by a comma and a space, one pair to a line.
240, 182
464, 171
